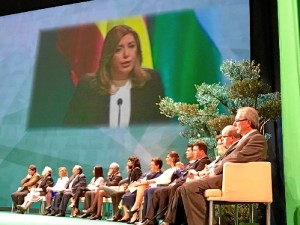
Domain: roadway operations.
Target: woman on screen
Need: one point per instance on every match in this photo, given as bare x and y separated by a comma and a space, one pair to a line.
121, 92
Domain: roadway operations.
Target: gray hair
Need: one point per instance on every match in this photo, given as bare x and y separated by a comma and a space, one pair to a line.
251, 114
116, 165
79, 168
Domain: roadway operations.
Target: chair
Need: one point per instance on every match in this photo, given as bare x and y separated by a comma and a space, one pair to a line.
41, 208
106, 200
80, 200
243, 183
108, 213
42, 205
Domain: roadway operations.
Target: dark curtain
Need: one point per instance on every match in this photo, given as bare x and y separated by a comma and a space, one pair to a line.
265, 50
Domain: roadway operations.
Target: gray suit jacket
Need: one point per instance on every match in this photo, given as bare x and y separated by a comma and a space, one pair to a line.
250, 149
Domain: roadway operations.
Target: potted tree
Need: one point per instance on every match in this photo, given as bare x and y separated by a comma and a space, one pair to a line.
216, 107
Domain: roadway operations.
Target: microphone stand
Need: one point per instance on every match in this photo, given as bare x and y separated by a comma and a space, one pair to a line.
119, 102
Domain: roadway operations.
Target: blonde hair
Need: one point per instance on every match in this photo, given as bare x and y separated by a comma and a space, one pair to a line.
138, 76
64, 171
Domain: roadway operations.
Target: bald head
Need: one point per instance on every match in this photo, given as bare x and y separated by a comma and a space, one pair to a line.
229, 135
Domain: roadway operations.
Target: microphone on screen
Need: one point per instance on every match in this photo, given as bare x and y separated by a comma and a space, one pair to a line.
119, 102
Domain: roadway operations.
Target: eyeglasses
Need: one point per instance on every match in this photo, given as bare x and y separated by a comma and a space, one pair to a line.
236, 120
226, 136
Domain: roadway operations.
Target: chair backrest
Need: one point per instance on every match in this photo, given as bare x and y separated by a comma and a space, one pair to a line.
247, 182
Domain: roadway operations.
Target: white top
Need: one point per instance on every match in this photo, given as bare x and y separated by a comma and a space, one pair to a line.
120, 106
165, 177
94, 184
60, 184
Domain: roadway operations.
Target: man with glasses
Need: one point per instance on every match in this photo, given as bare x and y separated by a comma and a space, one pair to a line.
229, 139
110, 187
251, 147
27, 183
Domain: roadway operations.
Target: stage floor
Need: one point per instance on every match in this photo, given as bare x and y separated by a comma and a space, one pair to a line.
36, 219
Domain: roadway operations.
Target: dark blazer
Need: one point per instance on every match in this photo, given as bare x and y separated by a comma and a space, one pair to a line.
45, 182
80, 181
89, 108
250, 149
198, 165
151, 175
133, 175
114, 179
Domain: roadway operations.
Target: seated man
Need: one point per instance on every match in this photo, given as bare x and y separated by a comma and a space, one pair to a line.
162, 196
251, 147
61, 199
27, 183
112, 181
39, 190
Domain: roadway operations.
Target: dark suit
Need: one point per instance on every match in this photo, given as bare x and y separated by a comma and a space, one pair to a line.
116, 197
164, 196
250, 148
44, 183
112, 180
89, 108
27, 183
129, 197
61, 200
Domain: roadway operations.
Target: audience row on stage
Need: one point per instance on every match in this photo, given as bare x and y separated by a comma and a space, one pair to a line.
176, 195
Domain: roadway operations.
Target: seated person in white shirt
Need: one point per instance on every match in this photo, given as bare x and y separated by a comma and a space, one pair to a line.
59, 186
96, 181
164, 179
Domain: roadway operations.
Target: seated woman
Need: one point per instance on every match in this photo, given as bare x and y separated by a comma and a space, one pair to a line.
129, 197
164, 179
96, 181
59, 186
134, 173
112, 180
40, 190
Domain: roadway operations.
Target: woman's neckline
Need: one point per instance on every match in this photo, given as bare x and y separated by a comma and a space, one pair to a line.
119, 83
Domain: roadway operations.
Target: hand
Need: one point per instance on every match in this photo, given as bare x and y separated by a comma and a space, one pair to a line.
192, 173
204, 173
67, 190
143, 182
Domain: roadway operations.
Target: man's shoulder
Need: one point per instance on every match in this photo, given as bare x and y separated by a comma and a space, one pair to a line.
205, 160
36, 175
117, 175
200, 164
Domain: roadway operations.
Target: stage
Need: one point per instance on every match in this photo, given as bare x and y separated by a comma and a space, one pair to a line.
36, 219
